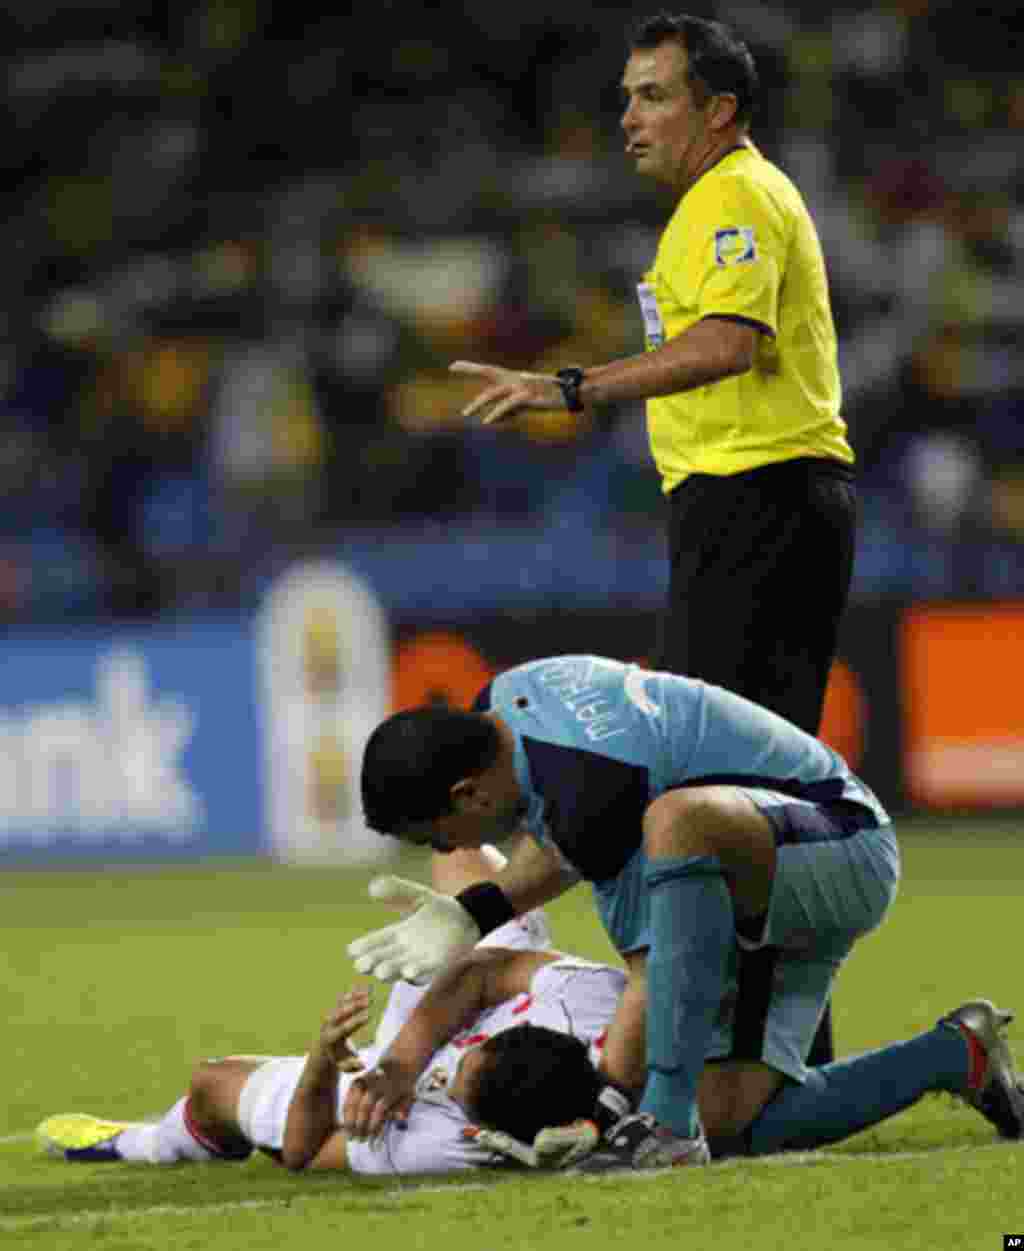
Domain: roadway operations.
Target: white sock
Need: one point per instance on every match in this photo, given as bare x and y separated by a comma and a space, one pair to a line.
167, 1142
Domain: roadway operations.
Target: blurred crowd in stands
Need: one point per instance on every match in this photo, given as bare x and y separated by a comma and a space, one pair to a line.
243, 240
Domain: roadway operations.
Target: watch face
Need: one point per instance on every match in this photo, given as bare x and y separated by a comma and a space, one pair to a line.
569, 380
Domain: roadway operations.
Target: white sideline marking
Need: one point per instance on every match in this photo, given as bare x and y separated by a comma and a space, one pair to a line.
411, 1189
101, 1215
10, 1138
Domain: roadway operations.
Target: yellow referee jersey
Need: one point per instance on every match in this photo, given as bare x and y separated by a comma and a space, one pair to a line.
742, 244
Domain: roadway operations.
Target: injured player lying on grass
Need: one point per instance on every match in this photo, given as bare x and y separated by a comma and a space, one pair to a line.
523, 1019
448, 1060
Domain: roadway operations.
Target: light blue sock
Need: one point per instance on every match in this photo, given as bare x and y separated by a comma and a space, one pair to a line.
841, 1098
691, 937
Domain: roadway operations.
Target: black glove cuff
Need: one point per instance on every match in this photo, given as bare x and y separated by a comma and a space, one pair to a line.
487, 904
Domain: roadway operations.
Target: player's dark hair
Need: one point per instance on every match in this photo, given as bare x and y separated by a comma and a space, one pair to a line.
413, 759
717, 59
535, 1077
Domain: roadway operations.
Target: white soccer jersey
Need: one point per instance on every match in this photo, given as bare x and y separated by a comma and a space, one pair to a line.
570, 994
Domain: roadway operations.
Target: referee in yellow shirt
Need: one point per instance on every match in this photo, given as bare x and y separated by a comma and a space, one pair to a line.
741, 383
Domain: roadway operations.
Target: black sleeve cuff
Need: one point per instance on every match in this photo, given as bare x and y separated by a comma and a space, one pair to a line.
744, 321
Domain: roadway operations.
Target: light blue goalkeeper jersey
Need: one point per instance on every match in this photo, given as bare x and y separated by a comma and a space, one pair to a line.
597, 740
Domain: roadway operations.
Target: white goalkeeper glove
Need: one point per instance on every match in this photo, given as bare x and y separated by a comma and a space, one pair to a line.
415, 948
556, 1147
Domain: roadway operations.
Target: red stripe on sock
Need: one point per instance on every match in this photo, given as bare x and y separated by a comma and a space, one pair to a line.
194, 1130
977, 1059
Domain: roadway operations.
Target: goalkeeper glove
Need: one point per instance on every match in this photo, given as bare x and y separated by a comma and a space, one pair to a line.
557, 1147
415, 948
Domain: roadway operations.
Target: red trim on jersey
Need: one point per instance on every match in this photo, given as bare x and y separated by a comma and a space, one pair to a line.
470, 1040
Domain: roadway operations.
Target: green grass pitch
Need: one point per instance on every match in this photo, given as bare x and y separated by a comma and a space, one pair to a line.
115, 982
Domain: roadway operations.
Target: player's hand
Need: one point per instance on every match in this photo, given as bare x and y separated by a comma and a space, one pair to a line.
508, 391
417, 947
375, 1097
556, 1147
350, 1014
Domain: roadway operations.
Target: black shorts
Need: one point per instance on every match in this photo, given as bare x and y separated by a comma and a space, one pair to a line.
761, 563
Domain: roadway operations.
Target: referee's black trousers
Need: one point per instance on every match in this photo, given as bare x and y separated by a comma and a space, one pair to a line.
760, 567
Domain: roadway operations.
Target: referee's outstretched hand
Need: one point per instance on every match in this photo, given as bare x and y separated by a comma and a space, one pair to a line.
508, 391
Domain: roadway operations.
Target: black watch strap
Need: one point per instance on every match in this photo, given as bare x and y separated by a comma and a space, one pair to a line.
487, 904
570, 380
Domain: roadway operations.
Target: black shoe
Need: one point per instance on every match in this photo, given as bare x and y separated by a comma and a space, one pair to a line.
639, 1142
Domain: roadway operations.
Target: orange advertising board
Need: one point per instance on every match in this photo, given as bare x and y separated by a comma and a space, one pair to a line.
963, 705
438, 666
844, 716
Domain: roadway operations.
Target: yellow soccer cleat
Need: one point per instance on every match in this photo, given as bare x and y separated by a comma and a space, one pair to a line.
79, 1136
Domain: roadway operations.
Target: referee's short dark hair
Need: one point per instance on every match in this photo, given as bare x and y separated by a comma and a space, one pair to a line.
413, 759
717, 59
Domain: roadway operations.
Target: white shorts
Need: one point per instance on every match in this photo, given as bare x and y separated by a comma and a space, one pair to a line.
265, 1098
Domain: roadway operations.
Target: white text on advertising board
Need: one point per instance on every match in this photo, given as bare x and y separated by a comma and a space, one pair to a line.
95, 770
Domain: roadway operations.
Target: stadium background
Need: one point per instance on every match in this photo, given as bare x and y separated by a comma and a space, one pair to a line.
239, 515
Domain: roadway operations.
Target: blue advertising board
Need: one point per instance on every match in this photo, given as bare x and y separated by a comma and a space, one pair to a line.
139, 743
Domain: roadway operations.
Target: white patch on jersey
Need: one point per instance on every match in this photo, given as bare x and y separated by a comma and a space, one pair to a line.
636, 693
654, 327
432, 1082
565, 678
735, 245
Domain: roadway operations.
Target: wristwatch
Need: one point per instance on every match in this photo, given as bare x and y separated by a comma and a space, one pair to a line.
570, 380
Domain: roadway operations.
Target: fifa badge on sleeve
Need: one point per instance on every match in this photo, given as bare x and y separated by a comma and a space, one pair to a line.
735, 245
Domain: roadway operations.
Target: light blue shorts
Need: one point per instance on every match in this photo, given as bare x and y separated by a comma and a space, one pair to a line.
836, 877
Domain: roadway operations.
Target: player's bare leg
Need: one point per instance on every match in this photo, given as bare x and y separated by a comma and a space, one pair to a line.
202, 1125
213, 1101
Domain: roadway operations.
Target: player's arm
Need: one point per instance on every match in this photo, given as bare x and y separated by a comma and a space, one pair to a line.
624, 1053
708, 351
459, 994
452, 871
310, 1137
456, 998
737, 302
534, 875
